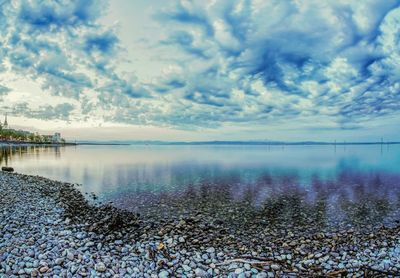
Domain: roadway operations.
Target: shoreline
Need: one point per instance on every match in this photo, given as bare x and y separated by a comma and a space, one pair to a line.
50, 228
194, 144
23, 144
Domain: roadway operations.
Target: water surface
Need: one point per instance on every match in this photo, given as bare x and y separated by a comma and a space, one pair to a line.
350, 184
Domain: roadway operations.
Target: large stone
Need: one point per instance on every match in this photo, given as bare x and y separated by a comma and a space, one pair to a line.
163, 274
7, 169
100, 267
210, 250
43, 269
58, 261
200, 273
186, 268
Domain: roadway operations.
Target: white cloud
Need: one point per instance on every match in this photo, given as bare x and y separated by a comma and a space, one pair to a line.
215, 63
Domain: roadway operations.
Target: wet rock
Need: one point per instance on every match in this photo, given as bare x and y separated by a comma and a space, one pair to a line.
7, 169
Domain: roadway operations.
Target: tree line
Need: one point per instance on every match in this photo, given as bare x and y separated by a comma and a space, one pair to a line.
24, 136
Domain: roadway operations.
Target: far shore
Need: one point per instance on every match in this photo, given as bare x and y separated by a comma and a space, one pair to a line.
195, 143
27, 143
233, 143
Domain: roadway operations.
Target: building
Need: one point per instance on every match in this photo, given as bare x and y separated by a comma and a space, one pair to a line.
55, 138
7, 133
5, 125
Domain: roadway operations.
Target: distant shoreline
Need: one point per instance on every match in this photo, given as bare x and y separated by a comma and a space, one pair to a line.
199, 143
244, 143
21, 143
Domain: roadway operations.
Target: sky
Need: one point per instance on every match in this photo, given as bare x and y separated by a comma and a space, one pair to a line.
202, 70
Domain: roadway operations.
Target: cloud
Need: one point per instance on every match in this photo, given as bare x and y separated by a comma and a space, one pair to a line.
62, 46
60, 14
60, 111
187, 13
185, 41
332, 58
4, 90
104, 43
244, 62
169, 85
45, 112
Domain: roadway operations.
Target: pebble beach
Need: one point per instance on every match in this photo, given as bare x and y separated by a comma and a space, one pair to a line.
50, 229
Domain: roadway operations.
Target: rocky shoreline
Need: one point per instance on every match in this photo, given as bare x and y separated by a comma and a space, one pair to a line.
50, 229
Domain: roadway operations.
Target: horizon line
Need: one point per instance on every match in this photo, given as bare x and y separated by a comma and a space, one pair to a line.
230, 142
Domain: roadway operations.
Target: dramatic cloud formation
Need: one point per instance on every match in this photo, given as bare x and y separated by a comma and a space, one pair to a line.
286, 59
314, 65
60, 46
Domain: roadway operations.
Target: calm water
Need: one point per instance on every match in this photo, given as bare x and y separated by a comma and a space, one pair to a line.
138, 177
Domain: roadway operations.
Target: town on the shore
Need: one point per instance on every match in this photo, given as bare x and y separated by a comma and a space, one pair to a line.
10, 135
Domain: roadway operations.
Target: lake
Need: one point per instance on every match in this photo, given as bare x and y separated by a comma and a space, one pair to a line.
347, 184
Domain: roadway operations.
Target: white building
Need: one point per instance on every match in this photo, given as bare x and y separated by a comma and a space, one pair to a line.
5, 125
56, 138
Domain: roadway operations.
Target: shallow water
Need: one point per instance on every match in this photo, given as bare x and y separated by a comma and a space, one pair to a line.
352, 184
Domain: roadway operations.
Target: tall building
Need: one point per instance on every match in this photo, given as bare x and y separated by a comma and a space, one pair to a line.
5, 125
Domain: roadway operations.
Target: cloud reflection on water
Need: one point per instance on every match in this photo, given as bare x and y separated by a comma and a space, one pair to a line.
297, 185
